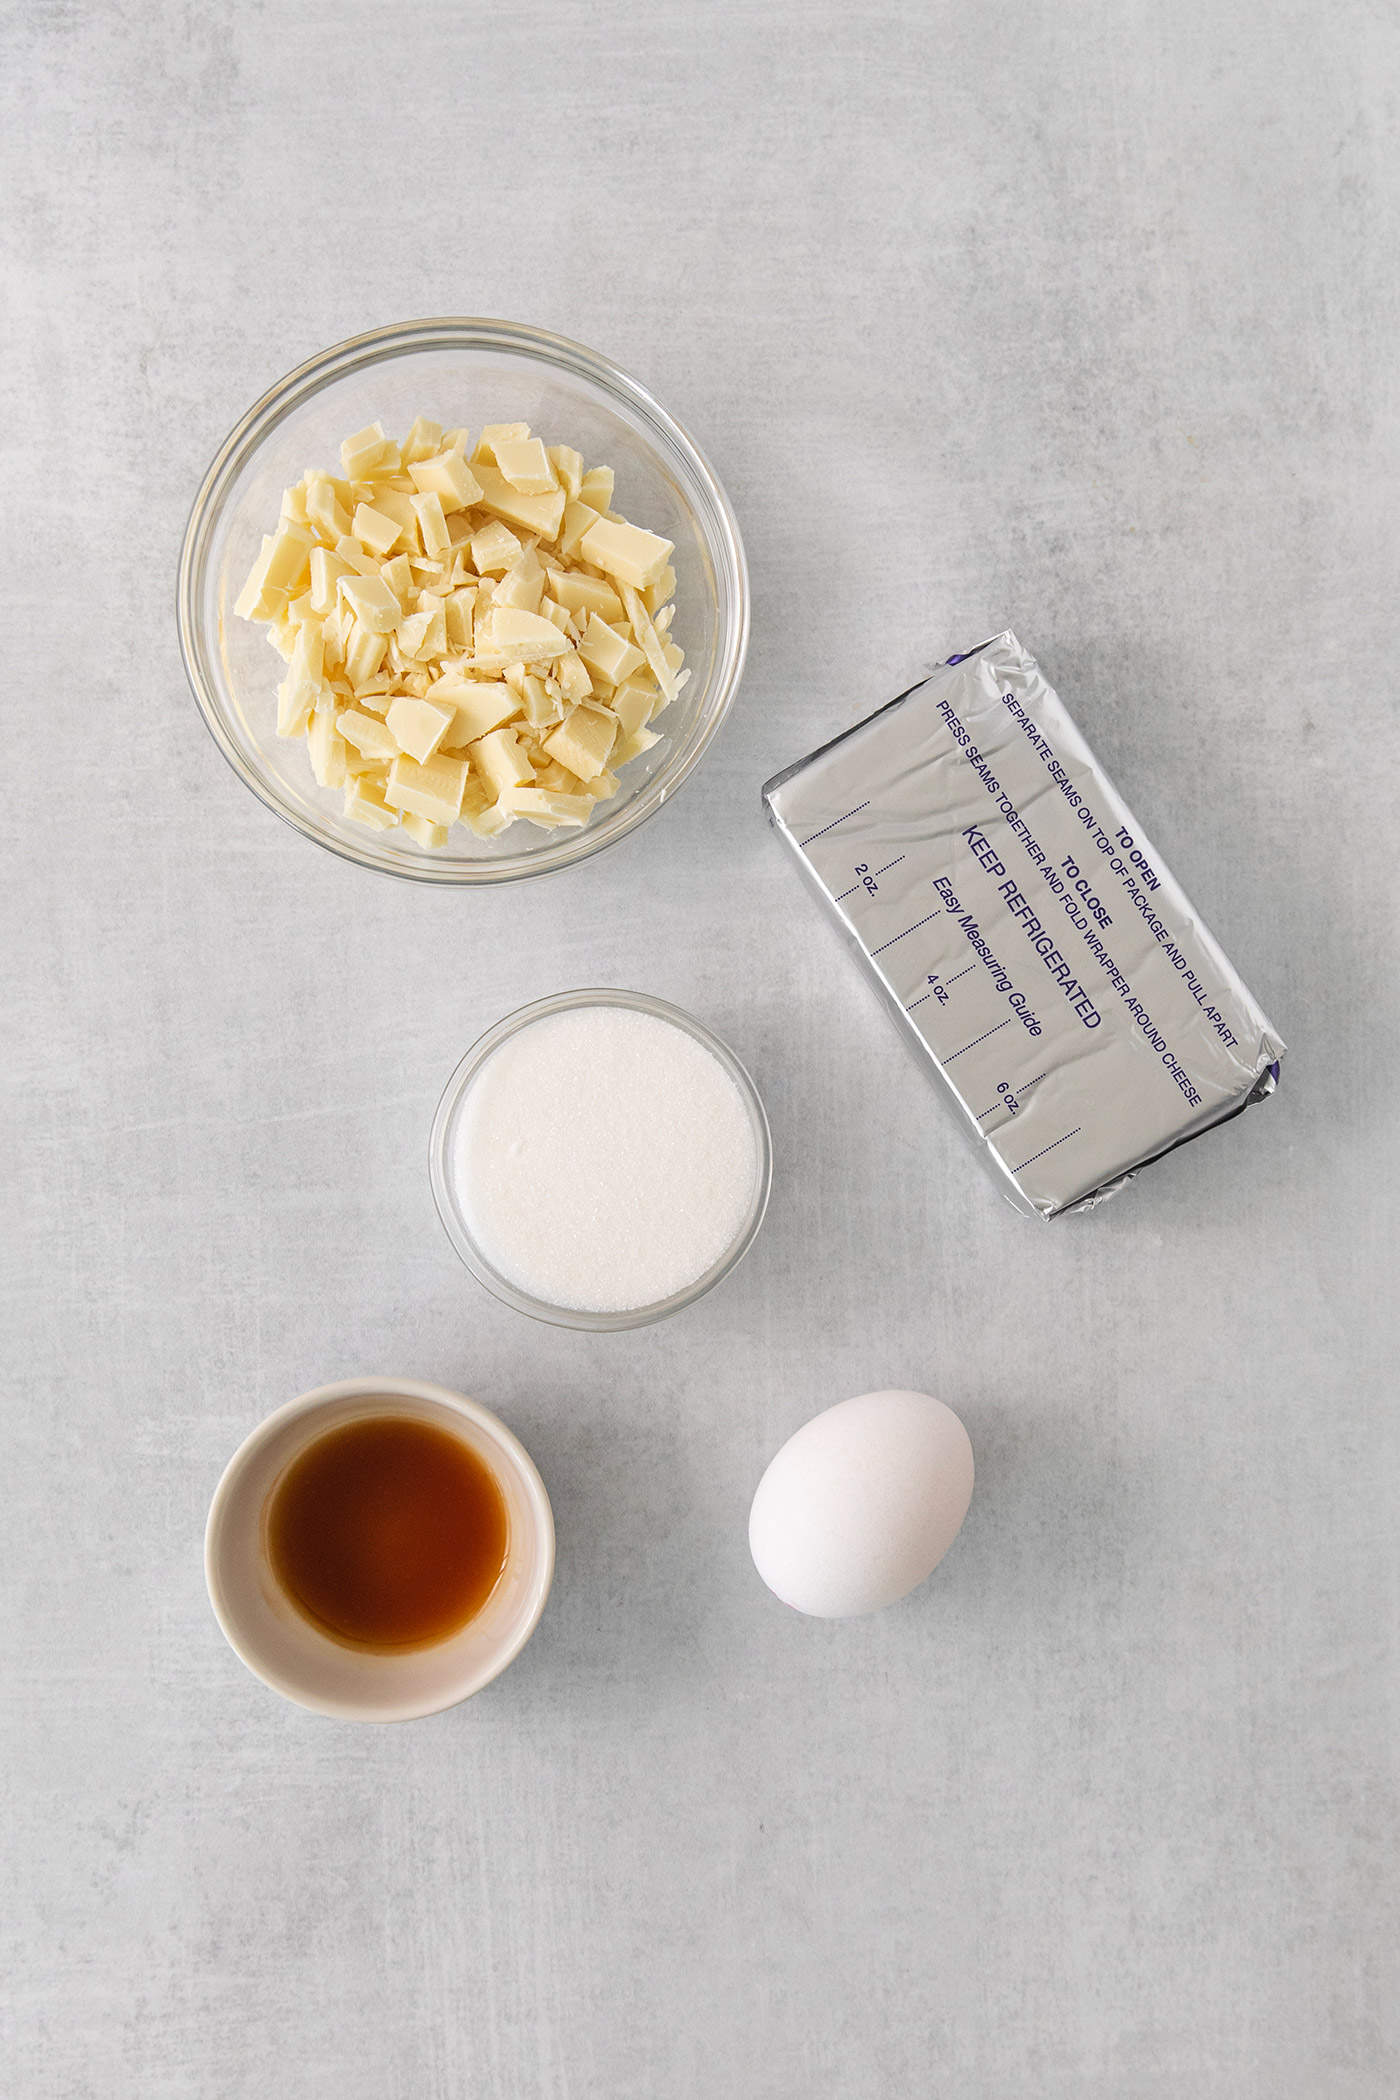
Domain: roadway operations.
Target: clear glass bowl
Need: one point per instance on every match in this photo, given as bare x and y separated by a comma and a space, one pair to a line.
472, 372
454, 1220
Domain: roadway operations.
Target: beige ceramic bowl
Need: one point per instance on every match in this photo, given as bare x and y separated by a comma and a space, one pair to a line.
271, 1636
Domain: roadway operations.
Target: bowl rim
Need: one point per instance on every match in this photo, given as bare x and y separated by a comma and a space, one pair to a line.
327, 1399
454, 1223
400, 338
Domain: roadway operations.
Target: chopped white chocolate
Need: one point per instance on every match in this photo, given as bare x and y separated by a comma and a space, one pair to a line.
494, 434
369, 736
326, 567
572, 673
586, 594
657, 594
500, 761
523, 583
625, 551
324, 510
327, 749
568, 468
604, 649
583, 741
372, 602
365, 652
458, 617
494, 549
478, 705
509, 636
526, 465
632, 704
448, 477
417, 726
649, 641
375, 532
421, 829
541, 514
633, 746
480, 644
596, 488
423, 440
433, 791
547, 807
432, 522
579, 518
363, 451
364, 804
283, 562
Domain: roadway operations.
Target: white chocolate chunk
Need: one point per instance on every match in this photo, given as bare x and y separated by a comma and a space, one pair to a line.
282, 564
583, 741
572, 673
448, 477
625, 551
375, 532
633, 746
596, 489
632, 704
364, 804
417, 726
579, 518
526, 465
568, 468
604, 649
372, 602
494, 549
432, 522
423, 830
326, 568
324, 509
547, 807
365, 652
500, 761
363, 451
478, 706
433, 790
649, 641
494, 434
369, 736
586, 594
509, 636
523, 583
541, 514
327, 749
423, 440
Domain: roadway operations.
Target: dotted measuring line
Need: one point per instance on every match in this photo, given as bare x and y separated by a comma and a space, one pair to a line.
1047, 1148
833, 824
981, 1039
908, 930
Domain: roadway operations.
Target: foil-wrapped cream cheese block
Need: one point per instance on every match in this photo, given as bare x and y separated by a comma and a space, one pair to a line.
1028, 936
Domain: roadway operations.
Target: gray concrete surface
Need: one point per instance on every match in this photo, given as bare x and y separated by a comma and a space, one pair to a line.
1081, 319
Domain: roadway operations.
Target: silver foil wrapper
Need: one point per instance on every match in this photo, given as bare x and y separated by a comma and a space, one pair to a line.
1025, 932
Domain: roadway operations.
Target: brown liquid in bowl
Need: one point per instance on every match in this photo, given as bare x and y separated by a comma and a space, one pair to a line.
388, 1533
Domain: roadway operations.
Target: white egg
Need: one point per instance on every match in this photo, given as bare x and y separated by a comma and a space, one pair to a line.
861, 1503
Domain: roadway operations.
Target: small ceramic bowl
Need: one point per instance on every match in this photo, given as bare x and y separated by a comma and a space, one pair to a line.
268, 1633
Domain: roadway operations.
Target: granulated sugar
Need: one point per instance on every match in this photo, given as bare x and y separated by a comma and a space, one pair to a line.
604, 1159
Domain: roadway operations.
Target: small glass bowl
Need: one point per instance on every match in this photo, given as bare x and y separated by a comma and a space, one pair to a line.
473, 372
454, 1221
